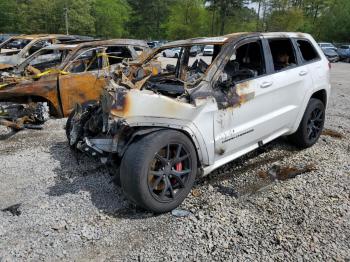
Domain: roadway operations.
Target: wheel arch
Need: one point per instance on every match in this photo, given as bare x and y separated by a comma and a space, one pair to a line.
54, 111
25, 99
320, 94
144, 131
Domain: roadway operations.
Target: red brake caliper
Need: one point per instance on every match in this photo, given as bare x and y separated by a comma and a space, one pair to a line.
178, 167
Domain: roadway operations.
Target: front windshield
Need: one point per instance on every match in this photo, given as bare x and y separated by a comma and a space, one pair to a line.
195, 55
176, 68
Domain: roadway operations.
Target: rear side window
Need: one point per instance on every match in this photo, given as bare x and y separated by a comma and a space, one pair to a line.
116, 54
283, 54
308, 52
344, 47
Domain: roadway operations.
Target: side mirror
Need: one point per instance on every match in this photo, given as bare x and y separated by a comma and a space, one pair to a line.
171, 68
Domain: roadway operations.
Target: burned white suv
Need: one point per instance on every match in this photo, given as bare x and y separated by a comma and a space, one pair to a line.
161, 122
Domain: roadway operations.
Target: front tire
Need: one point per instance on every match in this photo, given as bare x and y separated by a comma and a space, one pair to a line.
158, 171
69, 125
311, 126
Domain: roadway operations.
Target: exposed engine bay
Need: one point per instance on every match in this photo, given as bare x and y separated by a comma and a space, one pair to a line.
93, 130
149, 88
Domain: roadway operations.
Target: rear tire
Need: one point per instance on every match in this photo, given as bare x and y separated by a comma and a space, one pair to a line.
158, 171
311, 126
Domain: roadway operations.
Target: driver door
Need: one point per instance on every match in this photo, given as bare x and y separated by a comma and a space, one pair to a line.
84, 80
252, 115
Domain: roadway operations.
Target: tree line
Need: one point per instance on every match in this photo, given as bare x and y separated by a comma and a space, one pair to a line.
327, 20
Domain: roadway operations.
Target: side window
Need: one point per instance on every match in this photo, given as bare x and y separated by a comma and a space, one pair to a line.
116, 54
283, 54
38, 45
248, 62
16, 44
139, 50
90, 60
307, 51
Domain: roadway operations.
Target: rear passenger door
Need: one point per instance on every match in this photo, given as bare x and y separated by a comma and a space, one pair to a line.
291, 79
318, 68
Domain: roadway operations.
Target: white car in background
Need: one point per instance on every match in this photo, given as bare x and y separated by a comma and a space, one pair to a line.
208, 50
172, 53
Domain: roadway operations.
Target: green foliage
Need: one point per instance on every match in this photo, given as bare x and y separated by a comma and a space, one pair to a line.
147, 18
335, 23
286, 20
327, 20
110, 17
187, 19
242, 21
11, 16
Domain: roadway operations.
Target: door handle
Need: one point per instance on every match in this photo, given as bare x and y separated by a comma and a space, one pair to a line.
303, 73
266, 84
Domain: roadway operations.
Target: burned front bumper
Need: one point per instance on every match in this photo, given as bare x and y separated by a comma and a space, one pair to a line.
98, 147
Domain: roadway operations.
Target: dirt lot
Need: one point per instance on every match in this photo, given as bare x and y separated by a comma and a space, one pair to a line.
70, 211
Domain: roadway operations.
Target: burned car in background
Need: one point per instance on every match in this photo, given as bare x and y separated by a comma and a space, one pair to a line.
16, 49
4, 37
78, 79
46, 58
163, 121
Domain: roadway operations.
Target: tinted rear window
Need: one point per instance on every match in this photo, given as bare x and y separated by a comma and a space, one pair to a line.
308, 52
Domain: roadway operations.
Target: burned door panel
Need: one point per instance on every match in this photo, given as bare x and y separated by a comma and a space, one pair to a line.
41, 90
231, 126
84, 79
79, 88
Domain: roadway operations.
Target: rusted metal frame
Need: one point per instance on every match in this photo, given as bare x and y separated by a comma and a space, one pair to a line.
26, 63
19, 124
116, 42
33, 42
58, 102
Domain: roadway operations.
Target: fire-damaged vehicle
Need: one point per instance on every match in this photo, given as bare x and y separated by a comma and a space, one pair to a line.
16, 49
161, 122
60, 76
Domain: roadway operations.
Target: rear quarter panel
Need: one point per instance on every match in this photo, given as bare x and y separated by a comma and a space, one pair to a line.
43, 89
320, 76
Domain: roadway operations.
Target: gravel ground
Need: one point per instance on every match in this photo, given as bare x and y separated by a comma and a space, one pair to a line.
70, 211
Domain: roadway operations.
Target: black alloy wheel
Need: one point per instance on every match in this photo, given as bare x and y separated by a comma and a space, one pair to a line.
169, 172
